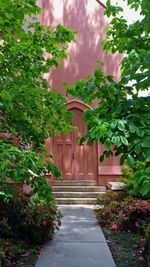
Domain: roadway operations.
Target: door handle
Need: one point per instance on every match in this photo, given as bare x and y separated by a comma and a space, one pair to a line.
72, 155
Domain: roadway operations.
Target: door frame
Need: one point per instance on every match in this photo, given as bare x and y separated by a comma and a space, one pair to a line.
76, 104
72, 104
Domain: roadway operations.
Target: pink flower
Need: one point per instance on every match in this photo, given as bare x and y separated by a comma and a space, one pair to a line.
142, 240
148, 228
26, 254
115, 226
141, 258
142, 248
6, 243
137, 224
129, 231
121, 213
27, 193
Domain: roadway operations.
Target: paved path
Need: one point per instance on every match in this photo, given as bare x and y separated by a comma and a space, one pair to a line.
79, 242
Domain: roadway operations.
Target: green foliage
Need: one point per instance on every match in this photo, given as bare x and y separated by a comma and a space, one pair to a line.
25, 167
29, 109
138, 178
132, 40
111, 196
120, 123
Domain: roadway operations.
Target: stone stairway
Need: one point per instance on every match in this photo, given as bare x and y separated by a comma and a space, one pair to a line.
77, 192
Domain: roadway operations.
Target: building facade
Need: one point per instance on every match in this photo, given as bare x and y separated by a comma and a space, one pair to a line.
87, 17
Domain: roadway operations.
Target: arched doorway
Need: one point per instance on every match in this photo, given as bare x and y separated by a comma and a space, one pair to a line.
76, 162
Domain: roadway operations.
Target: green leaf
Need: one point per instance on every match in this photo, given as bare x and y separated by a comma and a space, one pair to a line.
121, 126
113, 124
145, 188
146, 142
147, 58
98, 73
124, 140
101, 158
130, 161
146, 152
139, 132
148, 170
116, 140
109, 133
82, 140
122, 159
132, 128
107, 153
138, 148
45, 84
107, 144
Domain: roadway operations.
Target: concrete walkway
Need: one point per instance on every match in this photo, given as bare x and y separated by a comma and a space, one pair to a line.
79, 242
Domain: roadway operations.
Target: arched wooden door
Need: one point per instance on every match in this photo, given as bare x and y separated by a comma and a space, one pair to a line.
76, 162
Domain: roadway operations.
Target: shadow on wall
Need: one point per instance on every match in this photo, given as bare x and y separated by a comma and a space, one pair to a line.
87, 17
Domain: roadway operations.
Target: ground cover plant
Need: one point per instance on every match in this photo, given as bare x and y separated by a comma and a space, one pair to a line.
30, 111
124, 249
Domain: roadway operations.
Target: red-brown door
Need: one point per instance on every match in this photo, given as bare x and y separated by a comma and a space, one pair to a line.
76, 162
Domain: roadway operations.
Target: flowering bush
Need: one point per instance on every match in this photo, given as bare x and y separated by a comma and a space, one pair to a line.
26, 221
10, 249
127, 214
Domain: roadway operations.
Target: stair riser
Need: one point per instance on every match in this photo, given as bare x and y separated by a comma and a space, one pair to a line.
77, 195
77, 201
76, 189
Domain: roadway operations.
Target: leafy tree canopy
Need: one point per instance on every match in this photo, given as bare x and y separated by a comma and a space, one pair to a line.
119, 122
29, 110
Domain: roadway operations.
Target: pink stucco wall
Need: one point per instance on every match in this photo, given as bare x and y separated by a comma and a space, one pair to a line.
87, 17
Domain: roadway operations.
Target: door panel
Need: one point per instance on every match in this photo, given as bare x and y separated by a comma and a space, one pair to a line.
75, 161
63, 150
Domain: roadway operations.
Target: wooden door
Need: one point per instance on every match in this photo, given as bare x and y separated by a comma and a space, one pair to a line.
76, 162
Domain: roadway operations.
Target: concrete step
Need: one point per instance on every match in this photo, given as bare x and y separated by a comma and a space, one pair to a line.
74, 183
78, 194
69, 201
74, 188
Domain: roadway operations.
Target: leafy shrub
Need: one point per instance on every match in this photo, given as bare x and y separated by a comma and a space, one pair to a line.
110, 196
26, 221
138, 178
